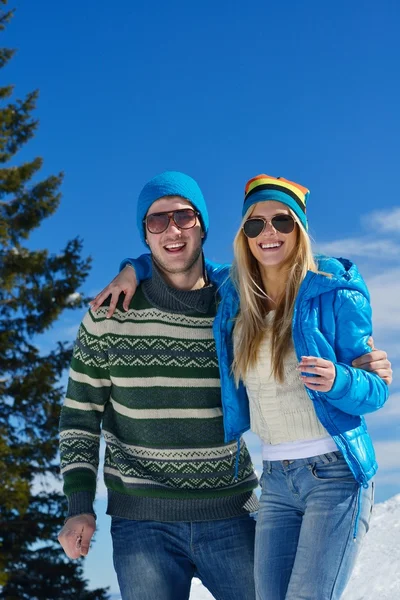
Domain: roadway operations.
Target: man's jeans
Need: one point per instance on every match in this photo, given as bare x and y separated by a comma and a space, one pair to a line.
310, 509
156, 561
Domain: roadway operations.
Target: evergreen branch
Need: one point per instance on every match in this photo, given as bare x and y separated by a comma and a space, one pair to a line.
35, 288
5, 17
6, 91
13, 178
17, 126
6, 55
28, 209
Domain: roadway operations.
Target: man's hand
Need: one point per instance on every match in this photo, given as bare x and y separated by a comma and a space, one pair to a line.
377, 362
124, 282
76, 534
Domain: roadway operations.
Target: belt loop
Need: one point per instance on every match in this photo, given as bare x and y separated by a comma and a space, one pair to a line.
329, 457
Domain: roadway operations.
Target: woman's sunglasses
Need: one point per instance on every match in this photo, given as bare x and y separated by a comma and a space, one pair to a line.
184, 219
253, 227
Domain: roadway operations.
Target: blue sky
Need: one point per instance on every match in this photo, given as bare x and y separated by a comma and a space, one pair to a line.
222, 91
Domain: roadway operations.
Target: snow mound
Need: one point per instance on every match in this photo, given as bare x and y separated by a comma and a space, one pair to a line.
199, 592
377, 572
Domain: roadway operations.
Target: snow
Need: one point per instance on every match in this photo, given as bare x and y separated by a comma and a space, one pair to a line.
199, 592
377, 572
73, 298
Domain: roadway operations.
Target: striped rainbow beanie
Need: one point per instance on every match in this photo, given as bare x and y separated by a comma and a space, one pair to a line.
264, 187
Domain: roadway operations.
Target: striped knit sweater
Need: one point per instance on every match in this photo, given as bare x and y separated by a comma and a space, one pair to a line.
148, 379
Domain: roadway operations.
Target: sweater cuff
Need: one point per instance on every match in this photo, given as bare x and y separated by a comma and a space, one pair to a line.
80, 503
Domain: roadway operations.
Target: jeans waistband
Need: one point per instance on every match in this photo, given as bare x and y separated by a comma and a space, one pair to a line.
296, 463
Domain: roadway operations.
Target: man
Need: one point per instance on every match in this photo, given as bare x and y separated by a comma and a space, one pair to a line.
180, 491
149, 378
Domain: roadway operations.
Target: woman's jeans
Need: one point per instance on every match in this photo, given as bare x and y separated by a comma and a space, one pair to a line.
157, 561
310, 511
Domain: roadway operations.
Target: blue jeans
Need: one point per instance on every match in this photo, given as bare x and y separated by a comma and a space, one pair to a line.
157, 561
310, 509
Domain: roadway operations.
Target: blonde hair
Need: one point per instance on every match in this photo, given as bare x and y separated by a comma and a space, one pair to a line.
250, 326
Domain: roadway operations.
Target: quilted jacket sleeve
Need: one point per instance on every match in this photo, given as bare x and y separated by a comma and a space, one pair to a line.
217, 273
355, 391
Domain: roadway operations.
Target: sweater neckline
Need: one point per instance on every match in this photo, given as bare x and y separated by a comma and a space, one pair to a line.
170, 299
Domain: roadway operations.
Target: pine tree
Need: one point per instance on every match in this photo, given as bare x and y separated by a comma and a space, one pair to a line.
36, 287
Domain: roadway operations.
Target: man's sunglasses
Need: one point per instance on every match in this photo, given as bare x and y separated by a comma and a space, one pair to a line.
184, 218
253, 227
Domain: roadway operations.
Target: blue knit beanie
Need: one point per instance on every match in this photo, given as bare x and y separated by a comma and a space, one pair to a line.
171, 183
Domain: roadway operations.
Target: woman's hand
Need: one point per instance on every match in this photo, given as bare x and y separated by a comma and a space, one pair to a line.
124, 282
324, 369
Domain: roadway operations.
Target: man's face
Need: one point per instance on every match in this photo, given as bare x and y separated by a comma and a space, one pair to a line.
174, 250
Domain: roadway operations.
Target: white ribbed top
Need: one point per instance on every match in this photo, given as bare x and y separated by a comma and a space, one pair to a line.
280, 412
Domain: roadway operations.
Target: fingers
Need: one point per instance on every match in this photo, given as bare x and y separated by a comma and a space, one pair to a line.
128, 297
377, 355
385, 374
371, 342
375, 365
99, 299
113, 303
310, 361
365, 359
375, 362
111, 290
324, 370
314, 370
114, 292
70, 540
125, 282
75, 543
86, 537
319, 387
76, 535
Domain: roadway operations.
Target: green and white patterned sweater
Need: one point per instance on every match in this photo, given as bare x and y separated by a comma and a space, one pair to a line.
148, 379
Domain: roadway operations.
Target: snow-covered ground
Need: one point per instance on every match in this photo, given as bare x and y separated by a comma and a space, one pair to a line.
377, 573
199, 592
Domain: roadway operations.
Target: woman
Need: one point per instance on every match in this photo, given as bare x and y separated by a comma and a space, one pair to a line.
302, 321
316, 500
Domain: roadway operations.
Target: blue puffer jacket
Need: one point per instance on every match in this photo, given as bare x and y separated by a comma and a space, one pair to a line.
332, 319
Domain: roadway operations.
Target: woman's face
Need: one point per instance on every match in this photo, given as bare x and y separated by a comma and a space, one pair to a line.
271, 248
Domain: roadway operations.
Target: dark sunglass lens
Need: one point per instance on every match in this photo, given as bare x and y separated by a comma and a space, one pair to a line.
283, 223
185, 219
253, 227
157, 223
